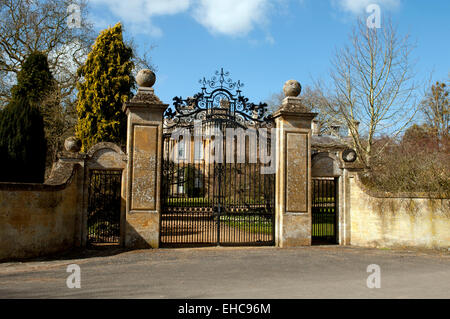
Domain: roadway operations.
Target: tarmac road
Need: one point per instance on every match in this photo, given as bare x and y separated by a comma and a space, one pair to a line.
310, 272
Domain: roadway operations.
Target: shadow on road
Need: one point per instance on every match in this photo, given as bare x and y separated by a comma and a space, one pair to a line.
91, 251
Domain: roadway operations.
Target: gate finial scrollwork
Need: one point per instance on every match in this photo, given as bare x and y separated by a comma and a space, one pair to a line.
217, 101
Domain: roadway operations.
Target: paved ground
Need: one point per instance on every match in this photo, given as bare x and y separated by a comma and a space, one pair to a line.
312, 272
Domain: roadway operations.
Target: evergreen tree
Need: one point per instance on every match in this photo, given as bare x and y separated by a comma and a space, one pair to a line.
22, 143
106, 84
38, 85
22, 136
34, 81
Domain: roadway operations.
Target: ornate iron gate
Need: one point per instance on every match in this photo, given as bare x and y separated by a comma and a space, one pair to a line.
103, 220
325, 211
208, 197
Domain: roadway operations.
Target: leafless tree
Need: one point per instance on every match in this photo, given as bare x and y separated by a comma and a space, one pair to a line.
313, 99
43, 25
371, 83
435, 108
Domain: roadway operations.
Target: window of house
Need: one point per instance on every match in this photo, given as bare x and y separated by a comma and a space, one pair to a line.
198, 150
181, 150
198, 182
181, 181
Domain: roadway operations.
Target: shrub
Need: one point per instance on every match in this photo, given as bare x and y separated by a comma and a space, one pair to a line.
420, 162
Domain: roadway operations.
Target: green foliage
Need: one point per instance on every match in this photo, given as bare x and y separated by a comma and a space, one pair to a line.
37, 84
34, 80
106, 84
22, 138
22, 143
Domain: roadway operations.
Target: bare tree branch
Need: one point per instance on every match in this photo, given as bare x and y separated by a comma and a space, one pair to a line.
372, 83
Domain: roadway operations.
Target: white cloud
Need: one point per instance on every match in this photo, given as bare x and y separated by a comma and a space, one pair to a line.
231, 17
139, 13
228, 17
359, 6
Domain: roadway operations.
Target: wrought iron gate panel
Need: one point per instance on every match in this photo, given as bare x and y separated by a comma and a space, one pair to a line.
325, 210
213, 202
103, 220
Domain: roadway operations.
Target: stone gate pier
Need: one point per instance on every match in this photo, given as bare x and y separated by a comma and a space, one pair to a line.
293, 178
144, 147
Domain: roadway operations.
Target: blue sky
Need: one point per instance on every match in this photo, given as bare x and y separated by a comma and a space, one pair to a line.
263, 43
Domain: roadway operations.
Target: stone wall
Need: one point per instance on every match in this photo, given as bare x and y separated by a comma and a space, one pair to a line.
397, 220
41, 219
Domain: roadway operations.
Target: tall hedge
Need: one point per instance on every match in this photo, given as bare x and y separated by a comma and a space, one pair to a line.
22, 136
106, 83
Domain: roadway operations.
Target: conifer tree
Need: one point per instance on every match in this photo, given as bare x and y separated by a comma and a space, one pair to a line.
106, 83
22, 137
22, 143
34, 81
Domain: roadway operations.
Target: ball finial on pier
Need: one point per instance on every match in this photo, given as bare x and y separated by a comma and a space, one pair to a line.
292, 88
146, 78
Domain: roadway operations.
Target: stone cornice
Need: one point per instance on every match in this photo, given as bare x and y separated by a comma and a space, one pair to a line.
62, 176
293, 106
145, 99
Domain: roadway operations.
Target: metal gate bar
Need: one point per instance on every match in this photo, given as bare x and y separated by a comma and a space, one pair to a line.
104, 201
325, 210
215, 203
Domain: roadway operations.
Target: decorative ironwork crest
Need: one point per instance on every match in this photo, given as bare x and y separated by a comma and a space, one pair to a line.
217, 102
